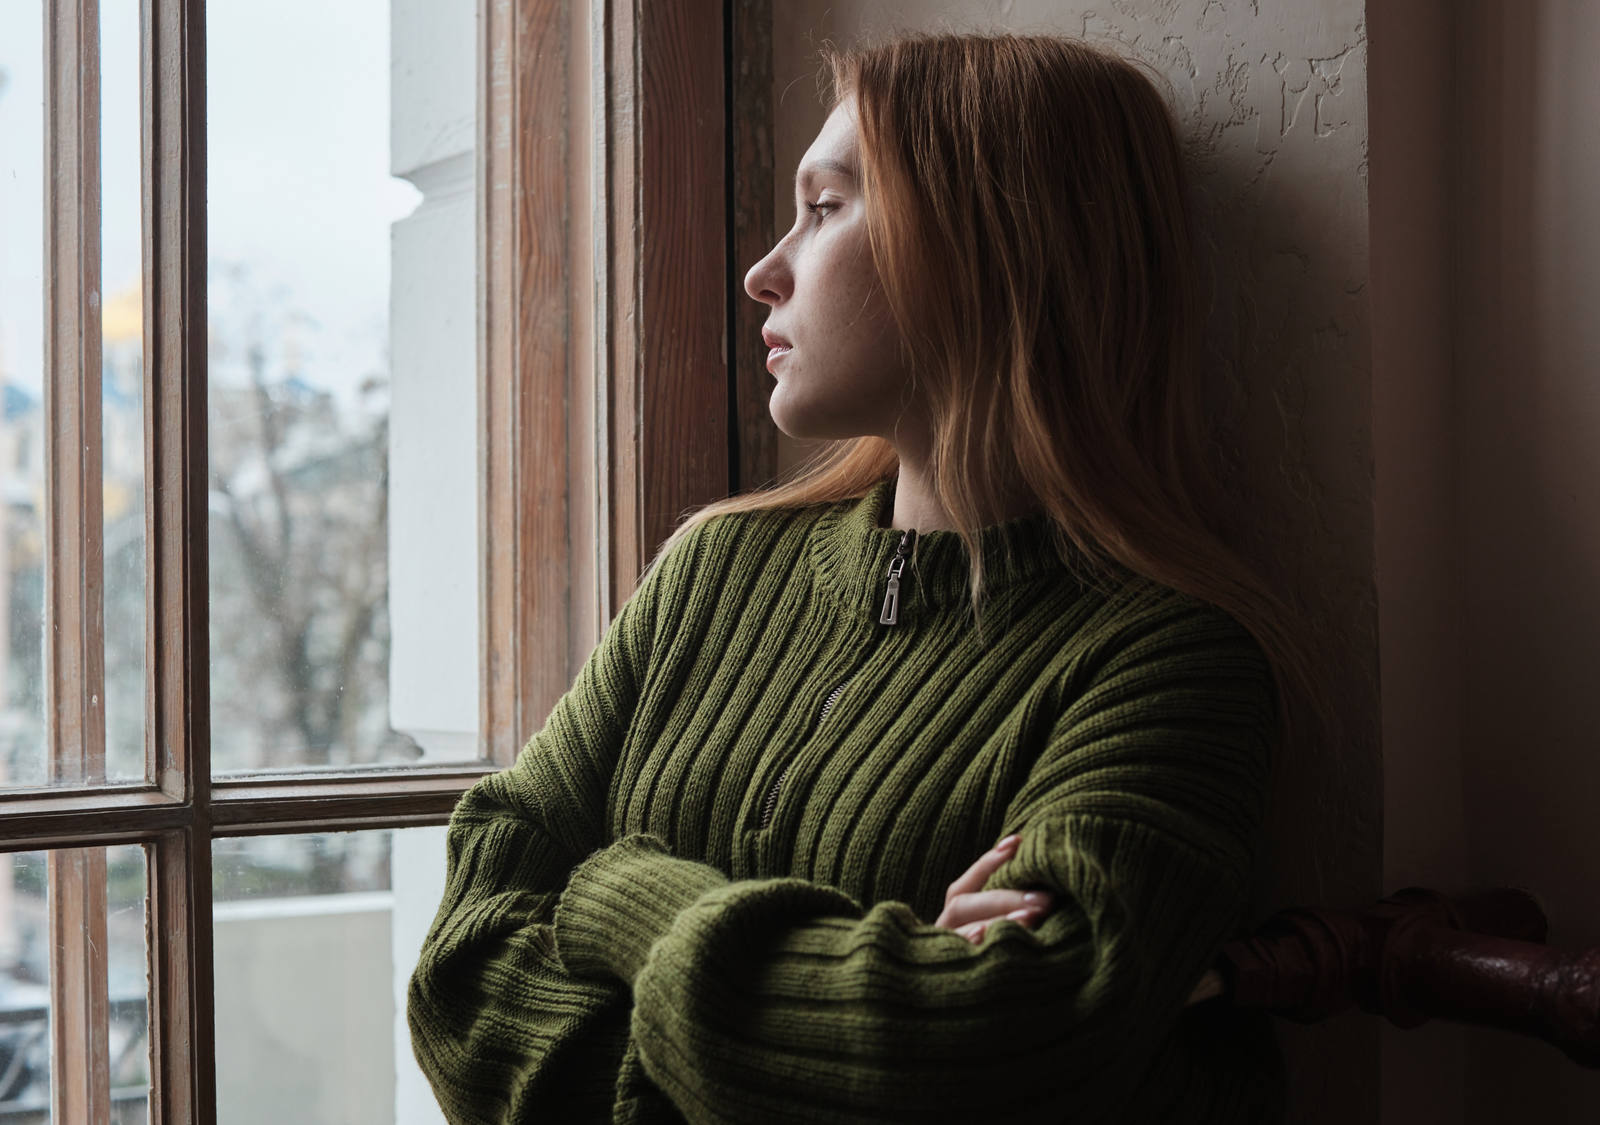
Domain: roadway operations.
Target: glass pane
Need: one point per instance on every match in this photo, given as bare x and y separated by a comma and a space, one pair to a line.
25, 968
23, 748
22, 745
315, 939
342, 383
122, 394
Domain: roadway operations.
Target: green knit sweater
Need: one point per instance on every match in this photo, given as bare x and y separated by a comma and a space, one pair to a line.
705, 892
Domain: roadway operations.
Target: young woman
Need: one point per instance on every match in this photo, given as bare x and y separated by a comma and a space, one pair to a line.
748, 870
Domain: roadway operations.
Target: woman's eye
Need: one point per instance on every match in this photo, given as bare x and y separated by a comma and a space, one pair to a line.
820, 207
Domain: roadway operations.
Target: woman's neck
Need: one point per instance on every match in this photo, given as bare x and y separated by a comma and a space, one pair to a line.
916, 505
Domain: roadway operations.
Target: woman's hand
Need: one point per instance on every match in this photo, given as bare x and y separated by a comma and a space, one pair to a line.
969, 910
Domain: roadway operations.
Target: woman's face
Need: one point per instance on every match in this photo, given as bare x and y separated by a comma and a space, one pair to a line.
834, 346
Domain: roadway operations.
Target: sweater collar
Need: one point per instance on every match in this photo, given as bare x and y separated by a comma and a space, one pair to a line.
851, 549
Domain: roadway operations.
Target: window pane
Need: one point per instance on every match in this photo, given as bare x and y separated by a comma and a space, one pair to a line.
25, 1006
22, 729
23, 744
315, 939
342, 383
122, 396
128, 981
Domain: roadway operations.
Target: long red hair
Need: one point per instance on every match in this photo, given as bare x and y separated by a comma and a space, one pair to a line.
1027, 214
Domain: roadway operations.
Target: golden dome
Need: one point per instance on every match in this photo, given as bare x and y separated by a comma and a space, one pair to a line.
122, 318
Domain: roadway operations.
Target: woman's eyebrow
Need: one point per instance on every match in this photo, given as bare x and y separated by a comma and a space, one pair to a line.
808, 172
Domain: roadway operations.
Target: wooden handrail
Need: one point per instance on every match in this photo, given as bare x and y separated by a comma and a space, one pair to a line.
1415, 956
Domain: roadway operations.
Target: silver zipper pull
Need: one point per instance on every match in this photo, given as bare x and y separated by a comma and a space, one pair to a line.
891, 600
897, 566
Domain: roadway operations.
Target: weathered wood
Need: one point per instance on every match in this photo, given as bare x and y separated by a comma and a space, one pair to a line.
80, 1009
681, 309
240, 805
74, 647
524, 370
586, 233
619, 376
663, 409
607, 409
177, 648
248, 806
101, 815
750, 134
182, 1023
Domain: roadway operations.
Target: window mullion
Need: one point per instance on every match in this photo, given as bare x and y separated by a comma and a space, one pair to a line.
177, 655
74, 596
80, 1086
182, 1023
177, 652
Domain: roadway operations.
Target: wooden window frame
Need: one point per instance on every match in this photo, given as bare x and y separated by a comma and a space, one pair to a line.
611, 249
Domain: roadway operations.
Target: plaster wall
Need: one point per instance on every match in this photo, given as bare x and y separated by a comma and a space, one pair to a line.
1272, 100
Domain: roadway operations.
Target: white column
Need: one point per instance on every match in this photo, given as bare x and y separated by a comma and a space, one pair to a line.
433, 461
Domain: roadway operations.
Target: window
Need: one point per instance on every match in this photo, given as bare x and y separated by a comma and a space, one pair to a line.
339, 414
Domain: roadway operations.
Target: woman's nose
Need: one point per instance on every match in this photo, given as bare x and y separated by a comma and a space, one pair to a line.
767, 280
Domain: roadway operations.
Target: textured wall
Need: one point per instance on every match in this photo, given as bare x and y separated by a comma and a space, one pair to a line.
1273, 102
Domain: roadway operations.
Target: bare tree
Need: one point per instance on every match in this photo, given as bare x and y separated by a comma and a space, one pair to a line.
299, 565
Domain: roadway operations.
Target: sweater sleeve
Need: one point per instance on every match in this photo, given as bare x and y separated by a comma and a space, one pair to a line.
499, 1026
784, 1000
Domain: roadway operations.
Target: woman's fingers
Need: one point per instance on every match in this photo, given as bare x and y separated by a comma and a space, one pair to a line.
970, 910
974, 877
988, 904
1027, 916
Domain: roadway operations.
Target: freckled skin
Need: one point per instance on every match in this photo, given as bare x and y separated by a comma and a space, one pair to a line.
845, 376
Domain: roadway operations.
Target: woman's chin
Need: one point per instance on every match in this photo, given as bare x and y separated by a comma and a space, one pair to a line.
790, 422
805, 423
795, 425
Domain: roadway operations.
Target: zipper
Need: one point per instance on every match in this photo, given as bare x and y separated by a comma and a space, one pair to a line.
772, 795
897, 565
889, 616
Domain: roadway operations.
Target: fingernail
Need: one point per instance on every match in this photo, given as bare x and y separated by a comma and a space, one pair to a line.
1037, 898
1024, 912
1008, 842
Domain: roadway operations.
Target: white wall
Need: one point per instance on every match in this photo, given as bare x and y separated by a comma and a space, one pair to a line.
434, 537
303, 1011
433, 420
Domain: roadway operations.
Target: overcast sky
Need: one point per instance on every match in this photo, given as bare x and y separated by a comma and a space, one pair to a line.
299, 195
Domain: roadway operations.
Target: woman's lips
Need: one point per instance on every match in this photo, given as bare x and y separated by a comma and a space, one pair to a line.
775, 353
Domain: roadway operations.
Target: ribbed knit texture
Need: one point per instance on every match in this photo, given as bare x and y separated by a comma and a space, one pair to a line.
627, 935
